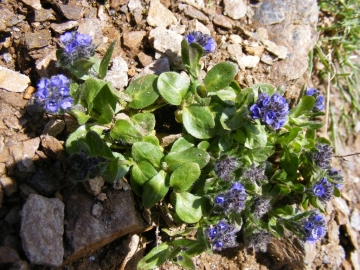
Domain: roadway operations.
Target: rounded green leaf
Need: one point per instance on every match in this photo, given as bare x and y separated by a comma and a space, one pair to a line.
220, 76
182, 144
144, 122
173, 87
154, 190
184, 176
142, 171
142, 91
148, 152
123, 130
188, 207
196, 155
198, 121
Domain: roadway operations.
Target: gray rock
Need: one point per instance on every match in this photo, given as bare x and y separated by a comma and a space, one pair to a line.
13, 81
45, 182
42, 228
85, 233
236, 39
196, 14
290, 23
35, 4
280, 51
43, 15
63, 27
134, 4
23, 154
157, 67
54, 127
195, 25
118, 74
93, 186
166, 41
8, 184
133, 39
332, 255
247, 61
38, 39
222, 21
115, 4
70, 11
267, 59
46, 64
235, 9
159, 15
355, 220
8, 255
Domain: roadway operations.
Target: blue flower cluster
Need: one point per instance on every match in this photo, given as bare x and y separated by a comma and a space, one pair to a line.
224, 167
314, 228
319, 99
272, 110
204, 40
222, 236
233, 199
53, 94
86, 167
323, 189
76, 46
322, 155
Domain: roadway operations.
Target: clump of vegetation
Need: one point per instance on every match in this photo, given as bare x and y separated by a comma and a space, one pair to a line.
246, 166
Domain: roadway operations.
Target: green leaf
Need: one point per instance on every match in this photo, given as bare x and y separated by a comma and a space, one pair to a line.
154, 190
289, 161
245, 97
142, 91
97, 146
204, 145
191, 57
289, 136
72, 146
255, 136
185, 261
198, 121
156, 257
115, 170
81, 68
124, 131
196, 155
188, 207
264, 88
227, 96
144, 122
220, 76
182, 144
104, 64
92, 87
184, 176
226, 141
80, 116
106, 116
304, 106
142, 171
173, 87
232, 118
148, 152
304, 123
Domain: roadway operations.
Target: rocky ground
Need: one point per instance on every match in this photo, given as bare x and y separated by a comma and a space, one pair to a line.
94, 225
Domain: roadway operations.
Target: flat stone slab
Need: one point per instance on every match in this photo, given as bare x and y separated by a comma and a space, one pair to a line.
86, 232
13, 81
42, 228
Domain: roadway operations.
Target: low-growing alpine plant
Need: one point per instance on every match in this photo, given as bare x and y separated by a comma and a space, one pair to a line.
246, 166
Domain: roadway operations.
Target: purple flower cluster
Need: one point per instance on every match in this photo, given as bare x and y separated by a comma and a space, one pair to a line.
261, 207
337, 176
233, 199
224, 167
53, 94
86, 167
259, 241
272, 110
222, 236
204, 40
255, 174
76, 46
322, 155
323, 189
314, 228
319, 99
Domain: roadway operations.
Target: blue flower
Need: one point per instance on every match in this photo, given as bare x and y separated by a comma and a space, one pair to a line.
271, 110
53, 94
319, 99
233, 199
75, 46
205, 41
323, 190
314, 228
222, 236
